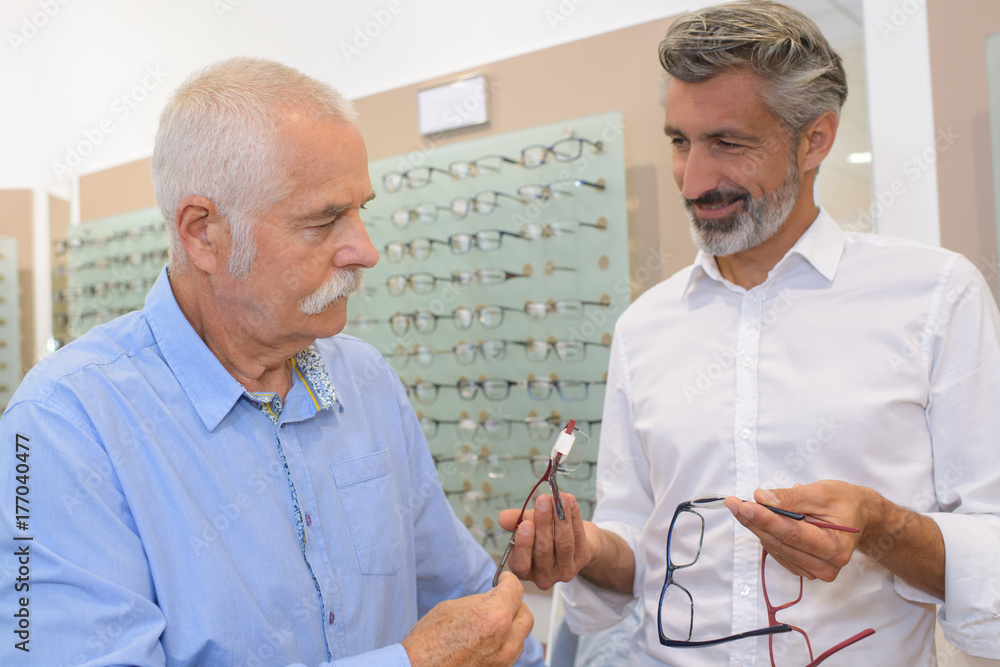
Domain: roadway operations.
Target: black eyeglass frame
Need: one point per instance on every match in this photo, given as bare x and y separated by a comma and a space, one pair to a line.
668, 581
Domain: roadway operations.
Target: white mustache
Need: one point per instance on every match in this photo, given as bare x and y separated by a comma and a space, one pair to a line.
341, 285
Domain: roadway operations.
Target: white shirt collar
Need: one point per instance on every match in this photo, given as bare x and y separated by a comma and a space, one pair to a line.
821, 245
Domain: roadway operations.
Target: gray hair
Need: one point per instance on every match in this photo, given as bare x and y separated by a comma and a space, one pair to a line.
219, 138
804, 77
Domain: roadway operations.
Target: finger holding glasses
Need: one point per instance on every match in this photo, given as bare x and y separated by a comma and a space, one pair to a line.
816, 551
551, 542
677, 620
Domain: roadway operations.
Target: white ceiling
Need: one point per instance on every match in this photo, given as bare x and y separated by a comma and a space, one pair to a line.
70, 74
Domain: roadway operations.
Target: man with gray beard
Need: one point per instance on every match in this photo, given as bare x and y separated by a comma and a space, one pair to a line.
848, 381
220, 478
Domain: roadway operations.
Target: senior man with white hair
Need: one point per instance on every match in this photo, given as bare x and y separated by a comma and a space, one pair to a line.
218, 480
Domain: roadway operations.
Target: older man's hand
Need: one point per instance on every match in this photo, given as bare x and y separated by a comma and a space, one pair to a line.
485, 630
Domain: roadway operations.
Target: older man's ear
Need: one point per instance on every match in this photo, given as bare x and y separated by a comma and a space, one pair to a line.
203, 233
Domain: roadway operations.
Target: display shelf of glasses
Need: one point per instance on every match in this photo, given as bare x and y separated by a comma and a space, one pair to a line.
60, 300
109, 266
504, 266
10, 317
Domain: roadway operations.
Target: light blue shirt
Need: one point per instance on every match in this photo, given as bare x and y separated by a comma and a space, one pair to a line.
176, 519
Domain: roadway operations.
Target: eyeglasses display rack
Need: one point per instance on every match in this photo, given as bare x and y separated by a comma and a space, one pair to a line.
104, 269
10, 318
504, 265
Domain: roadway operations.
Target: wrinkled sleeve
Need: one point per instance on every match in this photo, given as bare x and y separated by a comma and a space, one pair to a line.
450, 563
88, 588
963, 353
624, 502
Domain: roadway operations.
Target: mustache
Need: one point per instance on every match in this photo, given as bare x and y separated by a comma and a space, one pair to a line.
718, 196
340, 285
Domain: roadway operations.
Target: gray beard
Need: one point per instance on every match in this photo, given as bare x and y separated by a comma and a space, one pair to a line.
759, 220
341, 284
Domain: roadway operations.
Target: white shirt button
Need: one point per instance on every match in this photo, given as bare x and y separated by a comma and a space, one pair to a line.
745, 434
745, 591
746, 362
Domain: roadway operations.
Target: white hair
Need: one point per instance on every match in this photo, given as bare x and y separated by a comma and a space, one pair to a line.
219, 138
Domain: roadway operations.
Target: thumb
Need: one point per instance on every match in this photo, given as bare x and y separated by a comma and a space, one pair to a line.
774, 497
508, 519
509, 591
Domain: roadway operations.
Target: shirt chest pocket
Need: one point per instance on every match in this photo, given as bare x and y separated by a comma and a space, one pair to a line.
369, 494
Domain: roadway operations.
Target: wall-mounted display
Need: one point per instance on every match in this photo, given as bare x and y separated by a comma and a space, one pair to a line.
504, 267
104, 269
10, 327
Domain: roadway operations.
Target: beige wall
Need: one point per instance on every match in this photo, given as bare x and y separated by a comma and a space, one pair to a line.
58, 217
15, 221
619, 71
615, 71
958, 83
121, 189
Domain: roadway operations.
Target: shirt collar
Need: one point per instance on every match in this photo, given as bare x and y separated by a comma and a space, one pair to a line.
312, 371
821, 245
208, 385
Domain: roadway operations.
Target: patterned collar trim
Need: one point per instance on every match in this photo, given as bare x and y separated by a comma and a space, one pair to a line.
312, 371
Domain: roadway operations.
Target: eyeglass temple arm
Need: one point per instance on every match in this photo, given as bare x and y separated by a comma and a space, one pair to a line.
598, 186
762, 632
842, 645
549, 474
802, 517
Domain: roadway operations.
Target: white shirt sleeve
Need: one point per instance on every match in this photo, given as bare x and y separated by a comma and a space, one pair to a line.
962, 350
624, 503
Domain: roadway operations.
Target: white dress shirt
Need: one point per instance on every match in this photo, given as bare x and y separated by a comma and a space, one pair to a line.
860, 358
